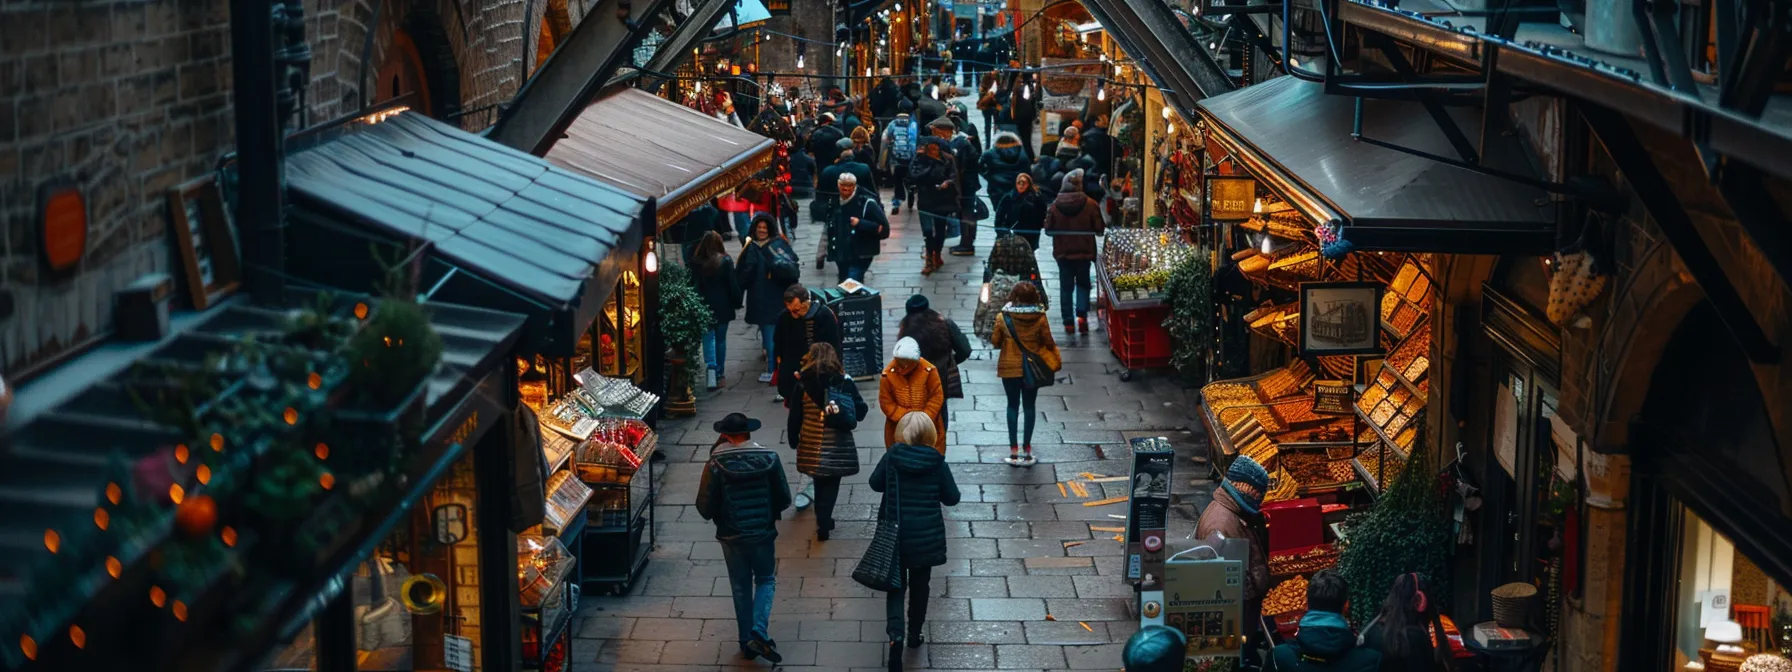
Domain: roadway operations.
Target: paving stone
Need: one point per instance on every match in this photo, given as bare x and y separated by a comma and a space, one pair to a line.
1100, 657
977, 586
974, 632
1062, 633
971, 548
830, 631
963, 656
1102, 586
1059, 566
1090, 610
1007, 609
1001, 529
607, 627
1030, 548
695, 653
1026, 513
1041, 586
849, 654
1028, 656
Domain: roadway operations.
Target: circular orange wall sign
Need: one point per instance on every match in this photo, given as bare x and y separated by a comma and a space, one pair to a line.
65, 229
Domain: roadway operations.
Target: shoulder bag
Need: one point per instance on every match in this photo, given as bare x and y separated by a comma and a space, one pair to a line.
783, 268
845, 418
1034, 374
881, 567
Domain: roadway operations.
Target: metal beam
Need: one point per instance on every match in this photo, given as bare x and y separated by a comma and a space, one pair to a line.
1758, 61
1662, 204
1745, 190
576, 71
688, 33
1661, 44
1451, 131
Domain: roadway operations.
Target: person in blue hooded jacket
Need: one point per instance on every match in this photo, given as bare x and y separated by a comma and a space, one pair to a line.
1325, 642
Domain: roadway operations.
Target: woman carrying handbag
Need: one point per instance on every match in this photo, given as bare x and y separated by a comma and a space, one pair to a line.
831, 408
1029, 361
916, 482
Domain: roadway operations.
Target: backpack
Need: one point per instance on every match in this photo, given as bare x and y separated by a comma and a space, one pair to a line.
902, 140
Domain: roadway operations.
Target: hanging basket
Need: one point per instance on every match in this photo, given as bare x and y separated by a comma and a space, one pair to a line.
1512, 604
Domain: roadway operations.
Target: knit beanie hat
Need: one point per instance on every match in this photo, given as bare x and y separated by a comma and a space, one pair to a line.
908, 348
905, 106
916, 304
844, 143
1246, 471
1154, 648
1073, 182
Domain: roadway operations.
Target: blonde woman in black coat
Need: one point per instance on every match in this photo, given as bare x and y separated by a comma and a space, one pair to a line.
924, 484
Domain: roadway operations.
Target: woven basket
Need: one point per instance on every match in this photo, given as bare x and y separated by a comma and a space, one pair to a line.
1512, 604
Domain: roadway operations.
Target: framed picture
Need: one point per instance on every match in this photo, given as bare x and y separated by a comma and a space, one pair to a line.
202, 238
1340, 318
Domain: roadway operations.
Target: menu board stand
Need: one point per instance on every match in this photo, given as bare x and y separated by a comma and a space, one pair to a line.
860, 310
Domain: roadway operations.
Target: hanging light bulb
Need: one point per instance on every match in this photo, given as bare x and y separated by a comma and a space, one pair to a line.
1026, 92
867, 71
1101, 92
799, 61
898, 6
1264, 247
1257, 206
1213, 46
1294, 61
1166, 109
1171, 129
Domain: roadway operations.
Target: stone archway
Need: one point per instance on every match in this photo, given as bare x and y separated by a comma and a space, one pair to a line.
1641, 319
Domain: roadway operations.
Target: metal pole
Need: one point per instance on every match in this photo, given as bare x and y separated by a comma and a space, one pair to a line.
260, 205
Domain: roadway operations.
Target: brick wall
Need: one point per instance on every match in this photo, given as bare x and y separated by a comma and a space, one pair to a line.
128, 99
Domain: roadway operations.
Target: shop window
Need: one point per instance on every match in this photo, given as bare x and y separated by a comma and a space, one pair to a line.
417, 598
1725, 608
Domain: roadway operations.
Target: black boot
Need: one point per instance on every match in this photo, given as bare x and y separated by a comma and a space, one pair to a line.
896, 656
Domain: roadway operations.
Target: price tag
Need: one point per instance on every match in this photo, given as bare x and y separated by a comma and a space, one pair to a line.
457, 653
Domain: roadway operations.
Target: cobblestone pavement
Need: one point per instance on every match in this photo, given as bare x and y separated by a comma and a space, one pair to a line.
1013, 596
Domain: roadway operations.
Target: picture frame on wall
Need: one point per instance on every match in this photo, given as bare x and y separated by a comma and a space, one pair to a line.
1340, 318
206, 248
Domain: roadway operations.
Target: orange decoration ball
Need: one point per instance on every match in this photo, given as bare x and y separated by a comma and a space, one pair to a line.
197, 516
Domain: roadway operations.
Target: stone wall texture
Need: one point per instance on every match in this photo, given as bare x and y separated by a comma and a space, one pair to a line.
127, 99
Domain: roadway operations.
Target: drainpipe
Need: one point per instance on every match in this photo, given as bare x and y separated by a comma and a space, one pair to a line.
260, 201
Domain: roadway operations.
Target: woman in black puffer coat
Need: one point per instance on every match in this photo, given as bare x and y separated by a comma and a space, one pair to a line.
924, 484
720, 288
825, 453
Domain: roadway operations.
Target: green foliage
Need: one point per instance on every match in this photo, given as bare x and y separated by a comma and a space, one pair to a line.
1191, 315
683, 319
393, 353
1407, 530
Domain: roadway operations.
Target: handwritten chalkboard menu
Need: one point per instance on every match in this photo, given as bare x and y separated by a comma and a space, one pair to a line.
861, 316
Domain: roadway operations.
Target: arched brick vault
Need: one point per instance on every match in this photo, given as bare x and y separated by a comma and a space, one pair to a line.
488, 43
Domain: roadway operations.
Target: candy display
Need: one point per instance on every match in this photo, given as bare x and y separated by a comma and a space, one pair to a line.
542, 563
1287, 597
1139, 260
1305, 561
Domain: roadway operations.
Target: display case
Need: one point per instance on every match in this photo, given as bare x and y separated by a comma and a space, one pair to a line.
1133, 274
615, 340
548, 598
600, 485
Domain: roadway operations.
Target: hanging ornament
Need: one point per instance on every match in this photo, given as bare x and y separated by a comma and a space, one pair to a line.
1331, 240
197, 516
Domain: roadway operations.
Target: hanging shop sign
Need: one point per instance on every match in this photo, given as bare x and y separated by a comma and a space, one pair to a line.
62, 216
1339, 318
1332, 397
1231, 198
1148, 507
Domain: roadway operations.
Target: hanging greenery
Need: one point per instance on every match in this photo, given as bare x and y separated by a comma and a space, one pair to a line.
1407, 530
1191, 316
684, 317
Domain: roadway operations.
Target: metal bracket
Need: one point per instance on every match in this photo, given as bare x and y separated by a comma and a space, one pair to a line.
675, 47
1756, 60
1661, 44
1441, 116
574, 73
1659, 199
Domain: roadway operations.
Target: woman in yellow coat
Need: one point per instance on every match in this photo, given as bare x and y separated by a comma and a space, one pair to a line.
911, 384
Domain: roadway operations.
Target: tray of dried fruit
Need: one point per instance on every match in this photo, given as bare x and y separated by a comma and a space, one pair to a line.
1391, 405
1302, 561
1407, 300
1276, 322
1379, 466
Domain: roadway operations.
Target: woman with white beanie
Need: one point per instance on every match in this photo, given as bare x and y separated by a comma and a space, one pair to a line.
911, 384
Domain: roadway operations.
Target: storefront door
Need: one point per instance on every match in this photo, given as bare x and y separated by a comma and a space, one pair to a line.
1518, 466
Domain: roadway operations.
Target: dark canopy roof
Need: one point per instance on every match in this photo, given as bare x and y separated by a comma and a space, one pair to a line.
1388, 199
657, 148
536, 231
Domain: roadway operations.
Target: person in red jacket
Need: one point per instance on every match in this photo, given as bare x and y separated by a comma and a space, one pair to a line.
1074, 221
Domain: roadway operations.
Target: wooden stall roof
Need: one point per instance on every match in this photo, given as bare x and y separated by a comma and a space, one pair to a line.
659, 149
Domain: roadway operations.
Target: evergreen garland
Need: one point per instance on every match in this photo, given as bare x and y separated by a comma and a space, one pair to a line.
1190, 323
1407, 530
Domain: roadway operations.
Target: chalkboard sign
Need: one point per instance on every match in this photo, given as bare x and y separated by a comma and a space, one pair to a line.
861, 329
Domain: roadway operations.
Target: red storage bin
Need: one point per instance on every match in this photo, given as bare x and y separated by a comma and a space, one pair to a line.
1138, 337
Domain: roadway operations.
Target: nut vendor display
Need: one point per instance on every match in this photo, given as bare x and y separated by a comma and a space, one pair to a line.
1133, 273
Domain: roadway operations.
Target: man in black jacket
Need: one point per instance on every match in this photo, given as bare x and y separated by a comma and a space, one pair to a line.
856, 230
744, 490
805, 322
826, 193
884, 99
934, 176
824, 141
967, 152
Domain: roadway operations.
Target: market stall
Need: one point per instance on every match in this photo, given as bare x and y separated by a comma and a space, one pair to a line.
1133, 275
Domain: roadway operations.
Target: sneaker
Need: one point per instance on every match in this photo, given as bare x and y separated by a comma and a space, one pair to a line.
801, 501
765, 378
1027, 460
765, 650
1013, 458
896, 209
778, 399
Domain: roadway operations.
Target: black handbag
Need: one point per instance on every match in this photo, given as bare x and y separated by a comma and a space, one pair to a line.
847, 417
979, 210
880, 569
1034, 374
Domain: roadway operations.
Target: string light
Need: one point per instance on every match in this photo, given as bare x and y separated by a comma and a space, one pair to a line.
1166, 110
799, 61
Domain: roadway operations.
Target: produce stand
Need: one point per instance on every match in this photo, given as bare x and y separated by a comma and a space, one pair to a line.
1134, 269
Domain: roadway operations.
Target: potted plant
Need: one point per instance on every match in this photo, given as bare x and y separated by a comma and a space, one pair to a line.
1190, 323
684, 318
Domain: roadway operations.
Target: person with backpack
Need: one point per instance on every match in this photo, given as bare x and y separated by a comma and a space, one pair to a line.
1402, 631
1074, 222
744, 491
830, 407
901, 137
856, 231
767, 266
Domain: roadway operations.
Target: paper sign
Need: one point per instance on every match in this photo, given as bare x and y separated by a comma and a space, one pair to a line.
1505, 429
457, 653
1714, 606
1332, 397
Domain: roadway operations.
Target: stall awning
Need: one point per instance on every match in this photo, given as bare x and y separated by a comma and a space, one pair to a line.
1387, 199
659, 149
508, 231
749, 12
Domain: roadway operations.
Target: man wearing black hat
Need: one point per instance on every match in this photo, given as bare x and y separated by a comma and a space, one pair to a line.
824, 141
743, 490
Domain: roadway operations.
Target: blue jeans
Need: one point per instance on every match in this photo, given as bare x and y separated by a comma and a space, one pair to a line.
771, 355
753, 577
856, 271
1073, 279
715, 348
742, 222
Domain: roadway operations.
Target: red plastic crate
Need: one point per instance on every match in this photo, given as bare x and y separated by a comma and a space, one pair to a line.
1138, 337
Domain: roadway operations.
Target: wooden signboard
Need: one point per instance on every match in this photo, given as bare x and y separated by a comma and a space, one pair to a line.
1332, 397
1231, 198
202, 239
